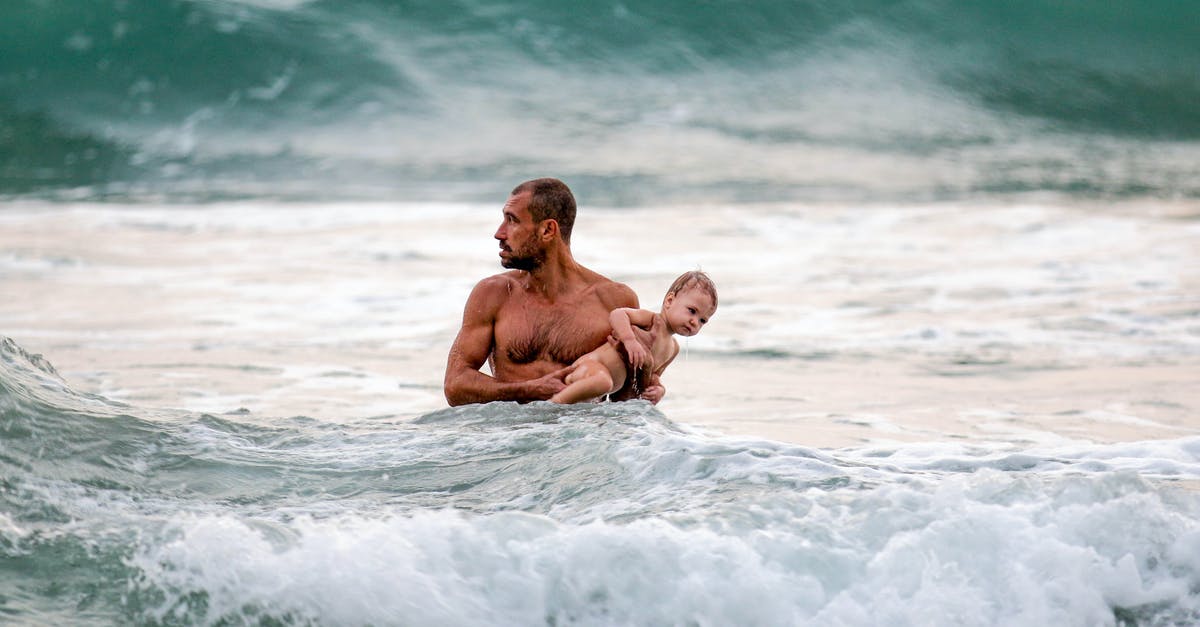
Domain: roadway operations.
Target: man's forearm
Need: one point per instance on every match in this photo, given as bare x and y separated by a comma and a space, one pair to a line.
473, 386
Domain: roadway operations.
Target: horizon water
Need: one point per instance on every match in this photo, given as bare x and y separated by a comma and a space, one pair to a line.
952, 380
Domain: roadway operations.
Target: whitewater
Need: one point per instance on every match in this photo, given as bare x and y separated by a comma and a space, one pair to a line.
952, 380
232, 414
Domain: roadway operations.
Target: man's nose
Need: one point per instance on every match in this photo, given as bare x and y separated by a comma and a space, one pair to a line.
499, 234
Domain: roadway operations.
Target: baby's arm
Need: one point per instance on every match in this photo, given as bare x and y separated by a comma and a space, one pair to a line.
623, 321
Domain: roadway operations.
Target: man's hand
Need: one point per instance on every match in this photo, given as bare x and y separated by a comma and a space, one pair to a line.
550, 384
653, 393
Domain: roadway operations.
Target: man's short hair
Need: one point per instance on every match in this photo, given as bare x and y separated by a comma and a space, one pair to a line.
694, 279
550, 199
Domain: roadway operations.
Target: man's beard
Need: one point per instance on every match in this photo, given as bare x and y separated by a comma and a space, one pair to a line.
528, 258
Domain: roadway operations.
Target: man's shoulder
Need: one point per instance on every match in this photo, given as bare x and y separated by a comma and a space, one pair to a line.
613, 294
494, 290
499, 282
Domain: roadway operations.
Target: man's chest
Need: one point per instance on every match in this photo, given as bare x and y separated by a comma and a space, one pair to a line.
561, 333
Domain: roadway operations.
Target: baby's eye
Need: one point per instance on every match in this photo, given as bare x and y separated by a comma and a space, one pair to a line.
692, 310
704, 321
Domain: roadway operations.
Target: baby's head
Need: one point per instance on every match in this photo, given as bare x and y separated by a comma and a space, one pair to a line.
690, 302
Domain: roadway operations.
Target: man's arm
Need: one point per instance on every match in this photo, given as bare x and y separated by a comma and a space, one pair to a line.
464, 383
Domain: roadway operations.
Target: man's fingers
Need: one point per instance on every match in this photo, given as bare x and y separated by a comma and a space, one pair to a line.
553, 383
654, 394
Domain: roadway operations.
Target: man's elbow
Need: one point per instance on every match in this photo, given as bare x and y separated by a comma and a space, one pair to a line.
458, 389
455, 400
454, 393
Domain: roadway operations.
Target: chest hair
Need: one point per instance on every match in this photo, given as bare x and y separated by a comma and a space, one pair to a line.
554, 336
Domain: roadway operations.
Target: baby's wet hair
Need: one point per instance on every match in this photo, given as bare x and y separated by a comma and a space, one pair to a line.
694, 279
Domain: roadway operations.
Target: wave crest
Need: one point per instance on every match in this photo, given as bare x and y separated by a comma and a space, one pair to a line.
868, 99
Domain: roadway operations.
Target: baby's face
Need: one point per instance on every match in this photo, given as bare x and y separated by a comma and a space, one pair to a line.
688, 310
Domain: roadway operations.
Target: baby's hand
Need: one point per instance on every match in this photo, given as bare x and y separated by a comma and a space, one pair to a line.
639, 355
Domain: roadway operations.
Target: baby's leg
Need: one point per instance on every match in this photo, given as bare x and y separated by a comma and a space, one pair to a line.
590, 379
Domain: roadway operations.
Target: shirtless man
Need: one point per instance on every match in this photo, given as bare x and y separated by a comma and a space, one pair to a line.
532, 322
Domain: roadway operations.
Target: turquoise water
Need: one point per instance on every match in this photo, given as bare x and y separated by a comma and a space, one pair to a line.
508, 515
632, 102
991, 417
954, 239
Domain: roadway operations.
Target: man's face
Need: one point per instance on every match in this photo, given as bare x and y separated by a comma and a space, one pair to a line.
520, 247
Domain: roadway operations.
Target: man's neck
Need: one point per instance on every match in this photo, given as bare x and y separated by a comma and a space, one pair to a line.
554, 277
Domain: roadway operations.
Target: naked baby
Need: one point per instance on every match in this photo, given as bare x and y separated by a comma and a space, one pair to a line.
642, 340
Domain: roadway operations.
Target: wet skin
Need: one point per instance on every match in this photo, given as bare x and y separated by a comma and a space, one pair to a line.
530, 323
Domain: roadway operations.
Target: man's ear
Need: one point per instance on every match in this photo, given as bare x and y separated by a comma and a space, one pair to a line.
549, 229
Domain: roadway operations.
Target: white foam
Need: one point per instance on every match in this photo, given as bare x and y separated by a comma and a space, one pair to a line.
980, 550
443, 568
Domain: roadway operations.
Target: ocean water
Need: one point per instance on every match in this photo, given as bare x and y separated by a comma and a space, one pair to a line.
601, 514
937, 415
952, 381
632, 103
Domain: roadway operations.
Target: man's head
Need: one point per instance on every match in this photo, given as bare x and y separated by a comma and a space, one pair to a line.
550, 199
537, 213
